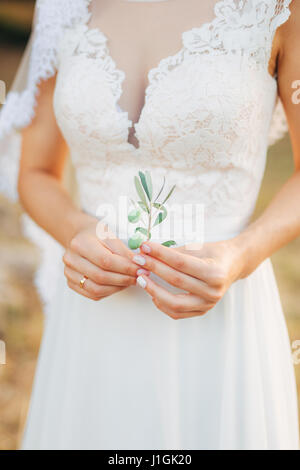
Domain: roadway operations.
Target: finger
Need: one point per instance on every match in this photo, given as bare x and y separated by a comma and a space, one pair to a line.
82, 292
178, 316
176, 303
90, 287
117, 247
178, 279
119, 264
111, 241
184, 263
96, 274
96, 253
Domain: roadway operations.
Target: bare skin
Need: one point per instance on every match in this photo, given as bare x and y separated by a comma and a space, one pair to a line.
205, 274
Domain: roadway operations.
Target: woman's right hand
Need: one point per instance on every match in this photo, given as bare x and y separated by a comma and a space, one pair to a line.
104, 261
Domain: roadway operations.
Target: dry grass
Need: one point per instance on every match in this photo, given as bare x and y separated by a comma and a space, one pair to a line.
17, 12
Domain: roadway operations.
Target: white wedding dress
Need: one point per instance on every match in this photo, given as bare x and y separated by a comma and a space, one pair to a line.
119, 374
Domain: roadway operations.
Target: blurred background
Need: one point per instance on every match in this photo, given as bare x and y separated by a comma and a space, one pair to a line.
21, 317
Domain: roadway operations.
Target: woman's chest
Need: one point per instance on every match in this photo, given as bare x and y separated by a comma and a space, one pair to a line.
141, 35
139, 62
208, 104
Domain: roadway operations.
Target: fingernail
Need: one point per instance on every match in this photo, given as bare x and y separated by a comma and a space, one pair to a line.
139, 260
141, 282
140, 272
146, 249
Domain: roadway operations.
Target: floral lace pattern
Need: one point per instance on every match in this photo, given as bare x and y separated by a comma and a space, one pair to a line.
51, 19
207, 132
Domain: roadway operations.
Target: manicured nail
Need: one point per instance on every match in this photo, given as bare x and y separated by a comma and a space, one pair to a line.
146, 249
140, 272
141, 282
139, 260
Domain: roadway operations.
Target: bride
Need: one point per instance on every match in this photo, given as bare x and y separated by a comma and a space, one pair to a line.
186, 90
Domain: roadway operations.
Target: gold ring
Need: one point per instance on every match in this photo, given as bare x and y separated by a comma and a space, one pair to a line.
82, 282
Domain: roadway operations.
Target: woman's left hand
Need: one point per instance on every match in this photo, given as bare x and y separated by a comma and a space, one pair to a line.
205, 274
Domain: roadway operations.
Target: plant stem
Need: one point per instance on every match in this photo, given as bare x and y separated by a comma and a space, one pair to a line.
149, 222
157, 211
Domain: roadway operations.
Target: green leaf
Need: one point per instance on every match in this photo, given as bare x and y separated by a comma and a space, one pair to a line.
144, 184
143, 231
161, 189
169, 243
159, 206
135, 241
140, 191
134, 216
169, 195
161, 216
149, 183
143, 207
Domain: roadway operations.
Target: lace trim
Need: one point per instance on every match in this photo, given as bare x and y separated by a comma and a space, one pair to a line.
55, 15
218, 36
94, 45
282, 13
52, 17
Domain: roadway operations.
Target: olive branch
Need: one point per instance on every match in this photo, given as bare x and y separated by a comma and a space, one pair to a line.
147, 211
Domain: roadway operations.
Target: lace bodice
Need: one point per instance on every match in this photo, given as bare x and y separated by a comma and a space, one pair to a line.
206, 117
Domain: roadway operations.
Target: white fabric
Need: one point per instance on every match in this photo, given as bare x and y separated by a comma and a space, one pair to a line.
119, 374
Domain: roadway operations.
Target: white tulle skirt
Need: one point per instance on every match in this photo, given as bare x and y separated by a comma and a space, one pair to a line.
119, 374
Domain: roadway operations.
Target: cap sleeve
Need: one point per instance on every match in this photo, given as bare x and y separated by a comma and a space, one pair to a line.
279, 126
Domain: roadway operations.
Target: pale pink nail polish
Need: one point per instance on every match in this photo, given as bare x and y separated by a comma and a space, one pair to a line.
146, 249
139, 260
142, 282
141, 272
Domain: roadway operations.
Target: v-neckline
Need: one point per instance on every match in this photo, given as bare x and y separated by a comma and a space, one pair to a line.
152, 71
